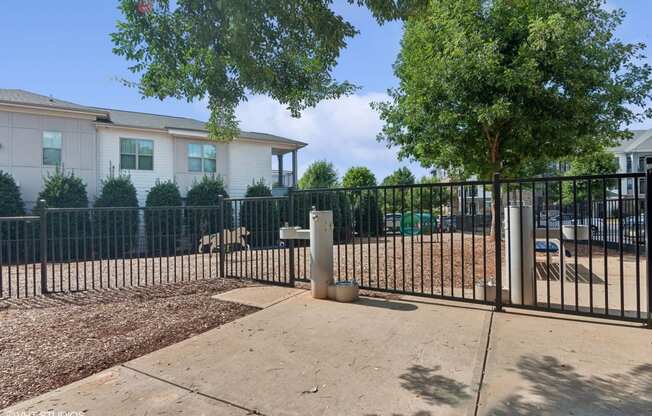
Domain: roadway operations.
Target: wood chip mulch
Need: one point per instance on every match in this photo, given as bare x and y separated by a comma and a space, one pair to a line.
48, 342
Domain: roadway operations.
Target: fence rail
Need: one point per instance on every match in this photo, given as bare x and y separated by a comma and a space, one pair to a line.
444, 240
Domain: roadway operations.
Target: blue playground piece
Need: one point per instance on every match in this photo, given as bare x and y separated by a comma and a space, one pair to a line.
540, 247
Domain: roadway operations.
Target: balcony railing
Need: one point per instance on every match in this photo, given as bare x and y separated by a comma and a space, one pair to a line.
286, 179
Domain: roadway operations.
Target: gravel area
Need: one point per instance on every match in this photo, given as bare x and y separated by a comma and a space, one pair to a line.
48, 342
420, 264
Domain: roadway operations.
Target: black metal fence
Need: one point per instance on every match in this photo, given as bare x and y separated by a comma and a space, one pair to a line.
448, 240
589, 246
253, 249
443, 240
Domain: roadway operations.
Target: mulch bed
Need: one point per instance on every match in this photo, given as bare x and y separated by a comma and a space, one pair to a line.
48, 342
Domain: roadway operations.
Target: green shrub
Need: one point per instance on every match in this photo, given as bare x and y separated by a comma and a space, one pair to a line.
117, 191
11, 203
65, 228
61, 190
116, 231
206, 192
261, 217
163, 226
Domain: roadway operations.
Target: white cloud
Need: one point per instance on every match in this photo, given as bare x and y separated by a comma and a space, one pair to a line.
342, 131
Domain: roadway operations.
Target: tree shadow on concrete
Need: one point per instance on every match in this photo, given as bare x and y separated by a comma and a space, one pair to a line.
434, 388
557, 388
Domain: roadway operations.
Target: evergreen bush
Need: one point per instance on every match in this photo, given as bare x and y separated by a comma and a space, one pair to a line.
65, 228
116, 231
163, 226
206, 192
262, 218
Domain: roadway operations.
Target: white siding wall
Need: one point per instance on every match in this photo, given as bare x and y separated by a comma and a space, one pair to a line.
143, 180
248, 162
21, 150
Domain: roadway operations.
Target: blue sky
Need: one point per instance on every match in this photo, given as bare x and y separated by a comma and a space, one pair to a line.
63, 48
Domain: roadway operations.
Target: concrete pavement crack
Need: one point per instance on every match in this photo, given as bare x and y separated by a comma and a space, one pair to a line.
197, 392
484, 363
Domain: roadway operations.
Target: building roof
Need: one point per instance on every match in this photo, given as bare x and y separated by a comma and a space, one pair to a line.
16, 96
133, 119
641, 141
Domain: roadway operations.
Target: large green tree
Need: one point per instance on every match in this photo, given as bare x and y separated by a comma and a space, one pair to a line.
320, 174
358, 177
222, 50
503, 85
401, 176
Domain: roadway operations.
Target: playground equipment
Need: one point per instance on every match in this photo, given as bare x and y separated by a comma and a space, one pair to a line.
418, 223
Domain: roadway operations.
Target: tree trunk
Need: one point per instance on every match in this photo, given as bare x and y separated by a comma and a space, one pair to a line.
496, 163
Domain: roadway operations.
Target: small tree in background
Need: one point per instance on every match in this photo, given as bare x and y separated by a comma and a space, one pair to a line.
367, 215
599, 162
119, 225
162, 226
320, 174
397, 199
62, 190
206, 192
401, 176
261, 217
357, 177
11, 203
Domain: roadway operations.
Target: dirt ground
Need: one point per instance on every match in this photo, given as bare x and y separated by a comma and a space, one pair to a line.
48, 342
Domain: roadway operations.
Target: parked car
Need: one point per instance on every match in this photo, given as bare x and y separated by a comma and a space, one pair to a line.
447, 223
393, 222
551, 213
567, 219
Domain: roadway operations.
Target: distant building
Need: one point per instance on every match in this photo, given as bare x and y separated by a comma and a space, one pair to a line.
631, 155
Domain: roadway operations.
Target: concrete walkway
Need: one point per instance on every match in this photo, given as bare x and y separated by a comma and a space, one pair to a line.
412, 356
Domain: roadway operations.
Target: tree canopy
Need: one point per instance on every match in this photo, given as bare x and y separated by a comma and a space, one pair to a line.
357, 177
505, 85
401, 176
320, 174
223, 50
600, 162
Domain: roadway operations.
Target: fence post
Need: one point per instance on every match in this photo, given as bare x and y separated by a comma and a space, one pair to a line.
291, 242
220, 228
43, 221
648, 246
497, 242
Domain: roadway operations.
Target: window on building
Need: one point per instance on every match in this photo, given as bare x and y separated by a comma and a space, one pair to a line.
629, 163
202, 158
136, 154
51, 148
